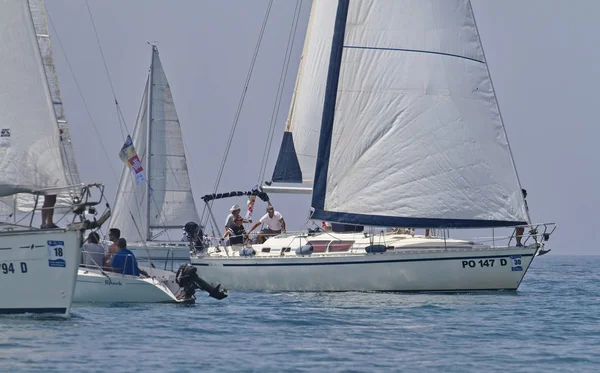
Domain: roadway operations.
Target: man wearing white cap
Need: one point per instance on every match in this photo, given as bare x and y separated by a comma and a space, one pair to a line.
235, 212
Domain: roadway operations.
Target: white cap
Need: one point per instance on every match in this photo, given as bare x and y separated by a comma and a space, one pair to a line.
234, 207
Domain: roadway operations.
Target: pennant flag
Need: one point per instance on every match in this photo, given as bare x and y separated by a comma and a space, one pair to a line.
129, 156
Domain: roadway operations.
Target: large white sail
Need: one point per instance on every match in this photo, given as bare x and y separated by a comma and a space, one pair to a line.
411, 132
30, 151
165, 201
27, 202
298, 152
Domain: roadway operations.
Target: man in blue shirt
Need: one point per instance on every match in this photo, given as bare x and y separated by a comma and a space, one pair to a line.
124, 261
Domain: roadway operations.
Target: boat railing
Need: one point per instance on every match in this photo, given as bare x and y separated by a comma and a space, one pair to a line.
81, 202
103, 269
539, 232
172, 260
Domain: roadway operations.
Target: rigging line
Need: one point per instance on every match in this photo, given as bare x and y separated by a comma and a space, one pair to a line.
280, 88
240, 105
85, 105
119, 113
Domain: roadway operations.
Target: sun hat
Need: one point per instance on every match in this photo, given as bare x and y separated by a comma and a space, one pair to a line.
234, 207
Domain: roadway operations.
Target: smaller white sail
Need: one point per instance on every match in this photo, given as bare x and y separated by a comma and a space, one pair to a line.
165, 200
30, 151
171, 202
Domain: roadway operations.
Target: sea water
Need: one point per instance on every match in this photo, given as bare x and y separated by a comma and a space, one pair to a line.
552, 324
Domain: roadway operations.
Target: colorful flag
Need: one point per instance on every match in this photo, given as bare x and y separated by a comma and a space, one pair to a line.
129, 156
251, 200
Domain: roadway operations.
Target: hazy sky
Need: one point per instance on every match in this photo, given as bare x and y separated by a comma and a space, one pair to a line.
542, 55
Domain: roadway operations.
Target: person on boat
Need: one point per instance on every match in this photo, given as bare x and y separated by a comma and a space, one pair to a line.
113, 235
185, 237
235, 213
237, 232
520, 230
48, 212
275, 224
124, 261
93, 252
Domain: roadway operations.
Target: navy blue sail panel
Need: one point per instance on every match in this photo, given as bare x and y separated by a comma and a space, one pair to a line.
397, 221
287, 169
500, 201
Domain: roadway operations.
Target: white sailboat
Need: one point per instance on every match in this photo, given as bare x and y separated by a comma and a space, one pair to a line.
39, 266
151, 213
394, 123
163, 201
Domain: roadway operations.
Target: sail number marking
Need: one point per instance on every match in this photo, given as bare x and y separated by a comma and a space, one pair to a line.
9, 268
484, 263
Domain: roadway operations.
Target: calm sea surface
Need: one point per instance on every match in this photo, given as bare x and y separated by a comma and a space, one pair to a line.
552, 324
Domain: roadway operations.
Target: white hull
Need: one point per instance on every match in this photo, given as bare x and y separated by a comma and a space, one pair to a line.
413, 265
170, 251
33, 280
96, 286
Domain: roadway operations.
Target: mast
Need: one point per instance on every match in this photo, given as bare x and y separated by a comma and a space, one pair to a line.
149, 142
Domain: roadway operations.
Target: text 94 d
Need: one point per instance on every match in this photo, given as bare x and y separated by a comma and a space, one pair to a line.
9, 268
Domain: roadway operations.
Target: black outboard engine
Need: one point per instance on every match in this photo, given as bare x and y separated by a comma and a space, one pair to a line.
195, 234
189, 281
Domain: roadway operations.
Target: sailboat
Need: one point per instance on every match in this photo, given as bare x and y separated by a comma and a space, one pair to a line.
39, 266
394, 123
150, 213
162, 200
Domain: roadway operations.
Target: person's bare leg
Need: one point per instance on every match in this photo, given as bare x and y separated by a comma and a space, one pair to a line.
519, 233
48, 210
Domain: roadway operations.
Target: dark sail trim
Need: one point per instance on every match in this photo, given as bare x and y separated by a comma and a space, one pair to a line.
396, 221
287, 169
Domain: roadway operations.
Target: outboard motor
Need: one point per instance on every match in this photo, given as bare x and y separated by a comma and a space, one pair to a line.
189, 281
195, 234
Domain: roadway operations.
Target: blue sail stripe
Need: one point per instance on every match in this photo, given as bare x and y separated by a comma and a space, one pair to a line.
333, 77
323, 263
394, 221
415, 51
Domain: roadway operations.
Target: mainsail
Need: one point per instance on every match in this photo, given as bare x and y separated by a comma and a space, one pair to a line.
165, 201
26, 202
30, 146
410, 133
